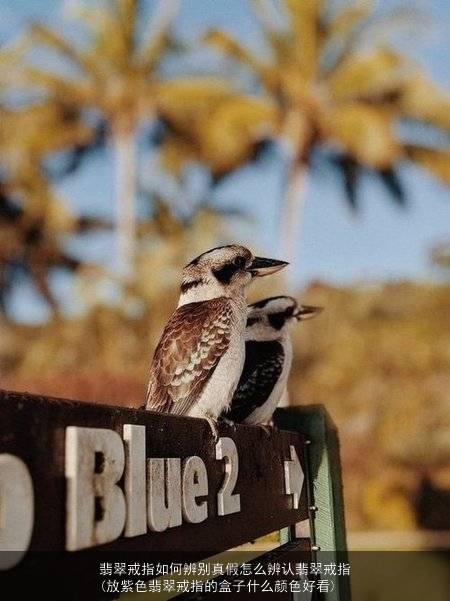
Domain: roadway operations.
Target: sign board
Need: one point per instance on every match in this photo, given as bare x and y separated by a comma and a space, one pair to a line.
77, 476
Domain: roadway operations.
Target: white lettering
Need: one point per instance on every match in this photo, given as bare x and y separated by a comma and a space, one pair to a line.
227, 502
135, 484
164, 493
95, 504
195, 484
16, 510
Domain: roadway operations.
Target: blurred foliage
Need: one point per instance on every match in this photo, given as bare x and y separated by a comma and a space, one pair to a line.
117, 77
114, 76
33, 219
332, 88
217, 127
378, 358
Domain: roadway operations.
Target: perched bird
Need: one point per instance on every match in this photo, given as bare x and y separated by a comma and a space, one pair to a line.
268, 358
199, 358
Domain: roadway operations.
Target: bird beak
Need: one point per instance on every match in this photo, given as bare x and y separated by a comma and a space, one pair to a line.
260, 267
307, 312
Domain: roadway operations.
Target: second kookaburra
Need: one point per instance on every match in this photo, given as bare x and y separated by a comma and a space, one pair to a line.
268, 358
200, 356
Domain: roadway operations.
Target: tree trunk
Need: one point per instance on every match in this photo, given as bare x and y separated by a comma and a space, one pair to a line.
290, 230
125, 170
291, 214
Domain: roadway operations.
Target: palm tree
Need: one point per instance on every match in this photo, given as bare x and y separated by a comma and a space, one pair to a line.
116, 75
33, 219
213, 125
24, 148
333, 93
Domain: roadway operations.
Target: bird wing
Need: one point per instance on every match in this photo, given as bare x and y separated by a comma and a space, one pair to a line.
263, 365
193, 341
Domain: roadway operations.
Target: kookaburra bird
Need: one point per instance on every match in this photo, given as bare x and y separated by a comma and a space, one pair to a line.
200, 356
268, 358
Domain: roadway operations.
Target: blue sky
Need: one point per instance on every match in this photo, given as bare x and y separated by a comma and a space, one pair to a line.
380, 242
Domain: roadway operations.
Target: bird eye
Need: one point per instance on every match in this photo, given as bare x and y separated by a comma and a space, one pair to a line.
225, 273
277, 320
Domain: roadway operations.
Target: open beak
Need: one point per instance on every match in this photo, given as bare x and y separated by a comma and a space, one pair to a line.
307, 312
260, 267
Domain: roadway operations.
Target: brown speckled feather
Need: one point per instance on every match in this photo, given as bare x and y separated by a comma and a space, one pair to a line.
194, 339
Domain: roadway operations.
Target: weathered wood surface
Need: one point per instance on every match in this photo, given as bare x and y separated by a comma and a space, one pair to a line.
33, 428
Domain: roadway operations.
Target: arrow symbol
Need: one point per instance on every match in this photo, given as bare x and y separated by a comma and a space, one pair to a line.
293, 477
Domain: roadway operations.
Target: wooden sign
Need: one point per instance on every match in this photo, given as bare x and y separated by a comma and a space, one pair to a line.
77, 476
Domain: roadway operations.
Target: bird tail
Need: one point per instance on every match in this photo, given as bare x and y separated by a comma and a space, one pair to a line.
156, 399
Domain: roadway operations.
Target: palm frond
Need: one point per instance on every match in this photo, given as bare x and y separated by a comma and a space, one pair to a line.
228, 138
48, 37
10, 212
78, 153
182, 103
230, 47
350, 172
175, 152
266, 15
366, 133
158, 34
31, 78
435, 161
367, 76
343, 24
304, 19
393, 185
109, 47
423, 100
128, 12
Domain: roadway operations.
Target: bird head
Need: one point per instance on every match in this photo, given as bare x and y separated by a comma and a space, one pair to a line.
271, 318
223, 271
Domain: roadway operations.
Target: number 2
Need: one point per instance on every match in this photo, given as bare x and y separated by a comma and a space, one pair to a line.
227, 502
